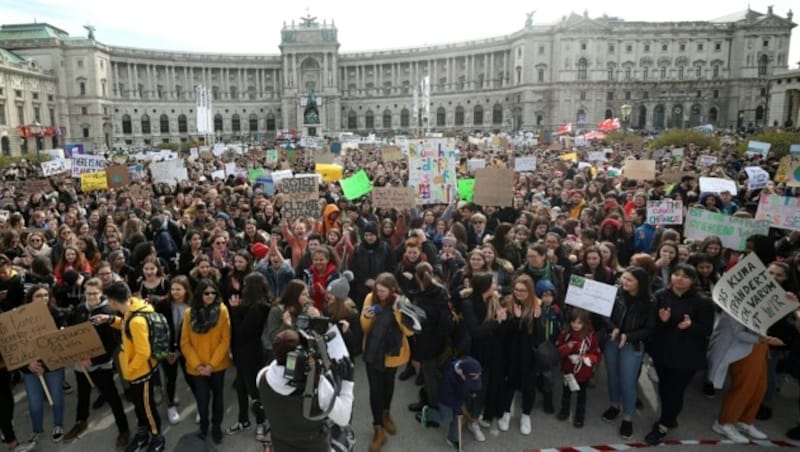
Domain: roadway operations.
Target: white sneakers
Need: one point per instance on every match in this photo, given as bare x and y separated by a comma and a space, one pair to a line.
493, 430
173, 415
729, 432
261, 433
504, 422
525, 424
476, 432
751, 431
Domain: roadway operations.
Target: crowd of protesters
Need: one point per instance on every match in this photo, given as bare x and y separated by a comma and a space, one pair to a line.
229, 273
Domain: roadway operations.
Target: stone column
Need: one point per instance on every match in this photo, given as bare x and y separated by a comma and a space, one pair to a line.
116, 80
294, 71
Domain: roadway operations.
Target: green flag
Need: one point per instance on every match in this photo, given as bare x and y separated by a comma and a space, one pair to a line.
356, 185
466, 189
253, 174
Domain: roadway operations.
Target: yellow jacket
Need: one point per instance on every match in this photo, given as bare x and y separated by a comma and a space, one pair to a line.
405, 349
212, 347
134, 355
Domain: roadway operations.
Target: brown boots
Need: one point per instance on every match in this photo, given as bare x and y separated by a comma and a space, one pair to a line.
378, 440
388, 423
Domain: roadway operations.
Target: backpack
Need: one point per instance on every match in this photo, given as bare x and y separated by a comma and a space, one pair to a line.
158, 333
165, 246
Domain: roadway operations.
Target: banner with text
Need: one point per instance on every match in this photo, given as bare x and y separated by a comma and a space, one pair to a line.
591, 295
399, 198
302, 197
19, 329
87, 164
782, 212
665, 212
733, 231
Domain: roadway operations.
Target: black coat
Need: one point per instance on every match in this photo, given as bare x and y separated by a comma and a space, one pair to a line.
430, 343
109, 336
634, 317
674, 348
247, 326
369, 261
473, 316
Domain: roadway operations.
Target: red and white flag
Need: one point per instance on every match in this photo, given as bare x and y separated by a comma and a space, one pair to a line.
565, 129
608, 125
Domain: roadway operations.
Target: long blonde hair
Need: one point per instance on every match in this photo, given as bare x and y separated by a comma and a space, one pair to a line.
493, 304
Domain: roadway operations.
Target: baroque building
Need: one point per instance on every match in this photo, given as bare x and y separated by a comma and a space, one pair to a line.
579, 70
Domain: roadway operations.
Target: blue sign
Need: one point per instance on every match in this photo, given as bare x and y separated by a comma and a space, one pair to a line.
336, 147
74, 149
268, 183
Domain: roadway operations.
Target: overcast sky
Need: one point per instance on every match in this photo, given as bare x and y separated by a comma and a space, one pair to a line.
247, 26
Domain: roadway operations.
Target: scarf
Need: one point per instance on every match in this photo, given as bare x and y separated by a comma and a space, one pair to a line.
541, 273
204, 318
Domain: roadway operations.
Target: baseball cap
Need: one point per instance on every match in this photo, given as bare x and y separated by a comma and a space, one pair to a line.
471, 369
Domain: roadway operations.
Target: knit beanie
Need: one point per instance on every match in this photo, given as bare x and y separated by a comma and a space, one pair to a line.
340, 287
371, 227
544, 285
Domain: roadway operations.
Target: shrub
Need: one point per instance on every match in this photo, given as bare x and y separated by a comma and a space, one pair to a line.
780, 141
683, 137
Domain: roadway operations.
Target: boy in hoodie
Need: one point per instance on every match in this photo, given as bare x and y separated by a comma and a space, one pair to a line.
100, 369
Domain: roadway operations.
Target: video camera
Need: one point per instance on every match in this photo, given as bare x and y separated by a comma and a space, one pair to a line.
312, 352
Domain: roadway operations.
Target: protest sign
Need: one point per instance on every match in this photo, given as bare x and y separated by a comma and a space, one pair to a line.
53, 167
253, 174
329, 173
677, 154
336, 147
640, 169
268, 183
757, 148
664, 212
671, 175
19, 329
86, 164
717, 185
302, 197
749, 294
94, 181
272, 156
399, 198
707, 160
794, 148
525, 164
494, 187
218, 175
135, 172
219, 149
432, 174
782, 173
591, 295
117, 176
33, 186
278, 176
569, 157
392, 154
792, 176
475, 164
230, 169
782, 212
356, 185
69, 345
757, 177
168, 172
466, 189
596, 156
700, 223
74, 149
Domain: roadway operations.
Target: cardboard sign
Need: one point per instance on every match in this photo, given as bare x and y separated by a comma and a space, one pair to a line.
399, 198
475, 164
525, 164
717, 185
782, 212
758, 148
392, 154
329, 173
94, 181
302, 200
733, 231
53, 167
33, 186
757, 177
19, 329
749, 294
117, 176
356, 185
665, 212
707, 160
494, 187
671, 175
591, 295
87, 164
640, 169
67, 346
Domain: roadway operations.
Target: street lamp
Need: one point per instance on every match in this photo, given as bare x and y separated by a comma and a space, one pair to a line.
626, 114
36, 130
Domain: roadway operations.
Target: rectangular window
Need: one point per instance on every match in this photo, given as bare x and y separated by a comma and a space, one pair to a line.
717, 47
627, 95
2, 91
763, 92
35, 96
583, 46
82, 88
715, 94
698, 94
583, 95
663, 73
682, 47
663, 47
52, 116
540, 75
628, 48
541, 50
611, 48
699, 46
647, 47
645, 95
610, 95
766, 43
21, 114
84, 111
645, 73
18, 93
86, 132
50, 97
80, 63
37, 114
2, 114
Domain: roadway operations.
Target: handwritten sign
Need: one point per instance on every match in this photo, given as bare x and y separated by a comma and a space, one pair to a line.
782, 212
53, 167
707, 160
69, 345
733, 231
356, 185
87, 164
432, 174
640, 169
272, 156
302, 200
525, 164
94, 181
392, 154
757, 177
117, 176
759, 148
591, 295
494, 187
399, 198
19, 329
596, 156
794, 149
671, 175
169, 172
475, 164
717, 185
749, 294
792, 177
664, 212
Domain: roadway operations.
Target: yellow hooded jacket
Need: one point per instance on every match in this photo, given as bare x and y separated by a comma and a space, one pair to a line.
134, 355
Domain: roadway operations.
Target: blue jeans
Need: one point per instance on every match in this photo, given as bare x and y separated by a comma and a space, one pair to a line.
37, 399
772, 375
444, 415
622, 370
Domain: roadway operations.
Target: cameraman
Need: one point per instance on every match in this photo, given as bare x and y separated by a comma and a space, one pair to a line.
283, 402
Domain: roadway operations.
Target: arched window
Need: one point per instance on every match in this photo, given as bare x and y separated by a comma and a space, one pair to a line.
252, 123
5, 143
163, 124
698, 72
477, 115
582, 69
677, 116
580, 117
236, 124
127, 128
762, 65
658, 117
441, 116
695, 115
642, 117
352, 122
759, 114
459, 119
387, 119
497, 114
218, 123
611, 73
405, 118
715, 71
369, 120
645, 73
712, 115
145, 124
628, 74
540, 75
680, 73
182, 128
270, 122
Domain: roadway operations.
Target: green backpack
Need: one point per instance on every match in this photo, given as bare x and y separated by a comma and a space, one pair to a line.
158, 333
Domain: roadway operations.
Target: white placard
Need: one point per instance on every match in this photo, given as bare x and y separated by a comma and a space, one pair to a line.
717, 185
597, 156
168, 172
219, 149
278, 176
591, 295
757, 177
665, 212
751, 296
707, 160
525, 164
230, 169
85, 163
53, 167
476, 164
582, 165
218, 175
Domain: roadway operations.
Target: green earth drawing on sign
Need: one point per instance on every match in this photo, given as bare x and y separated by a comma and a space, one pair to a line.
116, 179
577, 281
